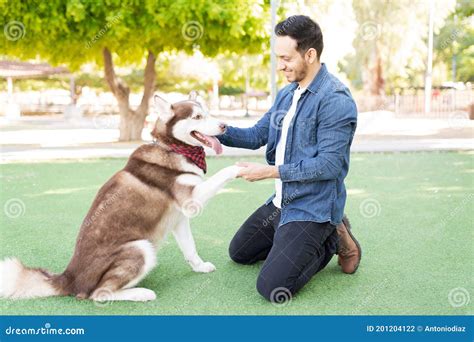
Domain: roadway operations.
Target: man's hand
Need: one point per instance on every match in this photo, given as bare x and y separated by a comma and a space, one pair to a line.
254, 171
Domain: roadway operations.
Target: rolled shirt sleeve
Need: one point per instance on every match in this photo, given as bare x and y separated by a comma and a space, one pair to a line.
250, 138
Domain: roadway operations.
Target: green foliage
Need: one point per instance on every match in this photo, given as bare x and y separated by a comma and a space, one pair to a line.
396, 32
464, 8
231, 90
456, 39
74, 32
236, 68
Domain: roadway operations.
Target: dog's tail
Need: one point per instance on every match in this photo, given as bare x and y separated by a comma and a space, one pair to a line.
18, 281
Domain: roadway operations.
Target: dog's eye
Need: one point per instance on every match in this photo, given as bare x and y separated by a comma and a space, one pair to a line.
197, 117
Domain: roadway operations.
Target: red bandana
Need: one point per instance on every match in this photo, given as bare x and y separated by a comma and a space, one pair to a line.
194, 154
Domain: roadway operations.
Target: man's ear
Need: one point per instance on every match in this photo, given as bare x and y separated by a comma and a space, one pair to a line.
163, 107
311, 56
193, 95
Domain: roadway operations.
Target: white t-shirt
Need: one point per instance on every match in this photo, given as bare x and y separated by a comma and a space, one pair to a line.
281, 145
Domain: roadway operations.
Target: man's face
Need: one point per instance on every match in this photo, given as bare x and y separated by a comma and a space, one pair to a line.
290, 61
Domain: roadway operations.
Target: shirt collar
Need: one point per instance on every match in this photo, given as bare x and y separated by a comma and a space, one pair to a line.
316, 82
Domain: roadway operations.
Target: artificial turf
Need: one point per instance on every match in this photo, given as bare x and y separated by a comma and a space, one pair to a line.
412, 213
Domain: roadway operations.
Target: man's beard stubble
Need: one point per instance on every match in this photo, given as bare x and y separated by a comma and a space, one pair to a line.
301, 74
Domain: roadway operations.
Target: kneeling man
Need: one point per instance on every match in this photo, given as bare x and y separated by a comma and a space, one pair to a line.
308, 133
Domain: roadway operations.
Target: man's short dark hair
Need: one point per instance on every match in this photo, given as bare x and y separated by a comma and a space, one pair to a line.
304, 30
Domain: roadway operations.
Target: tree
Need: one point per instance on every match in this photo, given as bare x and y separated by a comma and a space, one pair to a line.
455, 42
390, 46
109, 32
255, 68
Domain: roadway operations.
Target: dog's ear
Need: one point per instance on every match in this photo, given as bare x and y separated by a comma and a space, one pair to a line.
193, 95
163, 107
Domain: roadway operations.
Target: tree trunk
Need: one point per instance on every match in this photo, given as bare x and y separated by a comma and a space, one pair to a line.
378, 82
131, 121
375, 80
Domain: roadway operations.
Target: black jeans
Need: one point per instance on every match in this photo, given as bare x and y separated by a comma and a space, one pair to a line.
293, 253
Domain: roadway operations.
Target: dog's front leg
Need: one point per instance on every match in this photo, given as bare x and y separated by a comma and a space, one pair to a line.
204, 191
201, 193
184, 238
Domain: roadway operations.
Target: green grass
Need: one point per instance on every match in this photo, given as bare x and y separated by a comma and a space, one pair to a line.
417, 248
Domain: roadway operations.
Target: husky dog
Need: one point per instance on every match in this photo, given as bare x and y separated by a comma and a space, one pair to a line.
158, 190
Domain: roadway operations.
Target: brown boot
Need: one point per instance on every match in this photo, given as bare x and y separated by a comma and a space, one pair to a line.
349, 252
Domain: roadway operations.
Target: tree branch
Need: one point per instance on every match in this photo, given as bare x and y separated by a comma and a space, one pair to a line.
149, 83
117, 86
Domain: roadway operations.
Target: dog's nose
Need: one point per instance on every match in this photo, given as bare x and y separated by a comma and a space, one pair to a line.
223, 127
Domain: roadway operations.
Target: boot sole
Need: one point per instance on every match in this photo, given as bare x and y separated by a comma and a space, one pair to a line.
346, 222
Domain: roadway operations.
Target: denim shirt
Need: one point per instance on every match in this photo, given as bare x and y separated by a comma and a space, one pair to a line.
317, 148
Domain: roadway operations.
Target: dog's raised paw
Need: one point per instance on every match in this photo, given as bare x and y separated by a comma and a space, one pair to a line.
231, 172
205, 267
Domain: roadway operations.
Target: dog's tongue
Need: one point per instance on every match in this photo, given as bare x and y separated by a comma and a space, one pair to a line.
215, 144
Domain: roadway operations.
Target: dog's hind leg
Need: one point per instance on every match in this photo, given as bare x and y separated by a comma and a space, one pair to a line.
136, 294
184, 238
130, 265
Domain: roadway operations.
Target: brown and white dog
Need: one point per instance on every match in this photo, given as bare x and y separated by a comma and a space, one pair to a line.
157, 192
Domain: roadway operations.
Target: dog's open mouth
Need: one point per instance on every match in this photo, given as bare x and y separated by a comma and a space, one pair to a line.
208, 141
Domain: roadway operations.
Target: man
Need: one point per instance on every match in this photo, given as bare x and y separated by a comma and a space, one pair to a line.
308, 133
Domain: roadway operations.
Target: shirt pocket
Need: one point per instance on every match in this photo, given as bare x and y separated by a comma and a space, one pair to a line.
307, 131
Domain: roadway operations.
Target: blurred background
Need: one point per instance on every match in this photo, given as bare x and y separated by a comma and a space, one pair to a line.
87, 69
